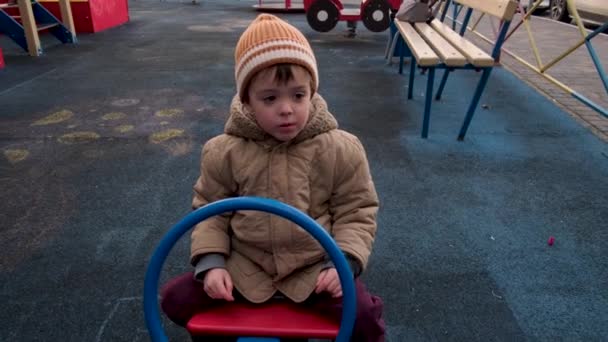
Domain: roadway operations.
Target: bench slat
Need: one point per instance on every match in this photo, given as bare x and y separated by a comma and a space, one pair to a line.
443, 48
475, 55
424, 54
503, 9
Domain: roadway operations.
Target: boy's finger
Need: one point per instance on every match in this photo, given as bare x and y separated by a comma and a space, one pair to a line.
334, 285
221, 292
228, 287
228, 283
322, 283
320, 288
228, 296
320, 279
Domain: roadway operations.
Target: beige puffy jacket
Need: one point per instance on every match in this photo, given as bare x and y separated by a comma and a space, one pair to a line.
323, 172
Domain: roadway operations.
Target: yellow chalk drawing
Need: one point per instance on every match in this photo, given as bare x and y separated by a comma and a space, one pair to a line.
54, 118
179, 148
15, 156
168, 113
113, 116
124, 128
164, 123
78, 137
165, 135
125, 102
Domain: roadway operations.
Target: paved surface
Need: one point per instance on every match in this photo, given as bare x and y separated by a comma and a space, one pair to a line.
100, 147
576, 71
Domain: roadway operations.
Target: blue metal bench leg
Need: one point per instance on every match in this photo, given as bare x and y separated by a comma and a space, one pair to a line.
394, 41
428, 100
410, 90
478, 91
390, 45
457, 9
400, 45
444, 80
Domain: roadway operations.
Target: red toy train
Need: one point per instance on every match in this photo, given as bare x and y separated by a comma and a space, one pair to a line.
323, 15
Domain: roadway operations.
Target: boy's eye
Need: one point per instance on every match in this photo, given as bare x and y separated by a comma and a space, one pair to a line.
300, 96
269, 99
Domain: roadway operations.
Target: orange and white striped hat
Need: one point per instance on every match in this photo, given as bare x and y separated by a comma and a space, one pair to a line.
268, 41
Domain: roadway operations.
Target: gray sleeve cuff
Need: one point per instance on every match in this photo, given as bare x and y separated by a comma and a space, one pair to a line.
327, 264
352, 262
207, 262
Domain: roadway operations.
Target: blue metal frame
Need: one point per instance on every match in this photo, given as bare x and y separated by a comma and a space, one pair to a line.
427, 103
501, 39
43, 16
483, 81
486, 71
598, 64
465, 23
12, 28
476, 97
393, 34
590, 103
410, 90
400, 48
600, 70
595, 57
463, 29
445, 9
457, 9
151, 311
444, 80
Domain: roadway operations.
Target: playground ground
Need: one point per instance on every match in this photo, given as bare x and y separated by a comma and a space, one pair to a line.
100, 148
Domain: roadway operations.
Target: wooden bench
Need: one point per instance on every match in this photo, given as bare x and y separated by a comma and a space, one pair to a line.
436, 45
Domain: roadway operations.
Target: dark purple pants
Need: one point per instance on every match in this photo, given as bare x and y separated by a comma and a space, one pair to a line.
183, 296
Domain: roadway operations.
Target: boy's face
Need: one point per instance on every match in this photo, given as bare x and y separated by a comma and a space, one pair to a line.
281, 109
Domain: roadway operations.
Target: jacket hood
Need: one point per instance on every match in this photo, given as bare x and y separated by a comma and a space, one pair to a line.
242, 123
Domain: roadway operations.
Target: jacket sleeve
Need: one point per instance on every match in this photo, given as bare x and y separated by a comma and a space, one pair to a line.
208, 262
354, 202
214, 183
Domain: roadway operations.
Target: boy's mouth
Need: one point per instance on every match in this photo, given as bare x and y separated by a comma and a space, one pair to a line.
286, 125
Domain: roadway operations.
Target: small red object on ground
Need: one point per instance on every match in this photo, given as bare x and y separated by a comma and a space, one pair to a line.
551, 241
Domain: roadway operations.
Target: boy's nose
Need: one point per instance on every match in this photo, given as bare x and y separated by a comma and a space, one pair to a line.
286, 108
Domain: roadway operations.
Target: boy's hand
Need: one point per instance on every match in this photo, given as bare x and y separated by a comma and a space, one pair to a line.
329, 281
218, 284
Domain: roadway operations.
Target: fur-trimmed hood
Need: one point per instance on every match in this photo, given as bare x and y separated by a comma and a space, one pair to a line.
242, 123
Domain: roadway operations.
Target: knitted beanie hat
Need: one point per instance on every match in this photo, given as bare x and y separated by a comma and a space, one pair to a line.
268, 41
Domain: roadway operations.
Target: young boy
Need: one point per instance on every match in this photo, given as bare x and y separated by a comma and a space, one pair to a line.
280, 142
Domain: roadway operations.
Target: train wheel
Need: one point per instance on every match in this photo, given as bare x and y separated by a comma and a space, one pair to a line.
376, 15
322, 15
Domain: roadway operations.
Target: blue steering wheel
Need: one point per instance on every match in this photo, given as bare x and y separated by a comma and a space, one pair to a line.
151, 310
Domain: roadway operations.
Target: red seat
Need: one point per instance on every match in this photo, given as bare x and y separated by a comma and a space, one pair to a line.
272, 319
